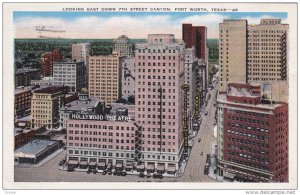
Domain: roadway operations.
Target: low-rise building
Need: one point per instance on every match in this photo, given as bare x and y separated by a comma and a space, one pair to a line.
102, 141
45, 104
23, 76
35, 151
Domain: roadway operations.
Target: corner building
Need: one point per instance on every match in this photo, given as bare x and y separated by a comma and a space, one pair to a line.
159, 75
252, 136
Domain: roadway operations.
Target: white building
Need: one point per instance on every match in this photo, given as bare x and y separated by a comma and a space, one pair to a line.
123, 46
71, 74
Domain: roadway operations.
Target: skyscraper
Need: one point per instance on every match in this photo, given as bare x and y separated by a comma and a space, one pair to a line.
253, 53
159, 75
232, 52
196, 36
123, 46
81, 53
105, 77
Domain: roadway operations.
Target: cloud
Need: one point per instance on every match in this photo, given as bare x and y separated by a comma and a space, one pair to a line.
114, 26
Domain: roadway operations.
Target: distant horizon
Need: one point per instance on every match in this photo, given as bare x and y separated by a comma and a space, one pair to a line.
104, 25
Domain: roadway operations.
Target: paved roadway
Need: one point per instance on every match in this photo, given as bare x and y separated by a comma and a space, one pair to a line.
194, 171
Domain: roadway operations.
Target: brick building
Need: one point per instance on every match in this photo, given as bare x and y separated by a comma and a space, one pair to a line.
252, 136
47, 61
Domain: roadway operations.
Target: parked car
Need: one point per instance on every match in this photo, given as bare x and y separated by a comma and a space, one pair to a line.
148, 175
62, 162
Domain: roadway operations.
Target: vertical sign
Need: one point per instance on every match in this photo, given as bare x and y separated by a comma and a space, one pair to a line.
185, 88
197, 104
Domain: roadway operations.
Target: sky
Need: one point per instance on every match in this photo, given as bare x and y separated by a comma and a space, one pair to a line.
107, 25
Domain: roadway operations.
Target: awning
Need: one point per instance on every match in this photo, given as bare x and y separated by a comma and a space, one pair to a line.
101, 164
171, 168
93, 163
150, 167
83, 162
129, 165
73, 162
141, 166
160, 167
119, 165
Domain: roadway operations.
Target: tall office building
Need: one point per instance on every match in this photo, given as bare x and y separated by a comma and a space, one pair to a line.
267, 51
232, 52
123, 46
252, 135
254, 53
81, 53
70, 74
45, 104
47, 61
128, 78
159, 76
196, 36
105, 77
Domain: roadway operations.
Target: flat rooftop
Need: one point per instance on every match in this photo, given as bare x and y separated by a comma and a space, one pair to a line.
83, 104
26, 70
50, 90
222, 98
35, 146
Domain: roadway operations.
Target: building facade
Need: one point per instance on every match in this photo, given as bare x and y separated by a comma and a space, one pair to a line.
105, 77
22, 100
102, 143
255, 53
159, 73
252, 135
195, 36
47, 61
83, 105
70, 74
232, 52
24, 76
122, 45
81, 53
45, 104
127, 78
267, 51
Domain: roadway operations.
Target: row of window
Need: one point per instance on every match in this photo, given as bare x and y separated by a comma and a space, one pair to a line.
154, 51
99, 127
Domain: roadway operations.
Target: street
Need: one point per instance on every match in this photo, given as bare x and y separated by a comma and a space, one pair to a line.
194, 170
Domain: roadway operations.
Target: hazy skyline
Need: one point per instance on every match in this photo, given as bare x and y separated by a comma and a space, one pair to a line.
106, 25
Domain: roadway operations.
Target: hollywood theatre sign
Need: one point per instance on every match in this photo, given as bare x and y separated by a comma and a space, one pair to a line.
99, 117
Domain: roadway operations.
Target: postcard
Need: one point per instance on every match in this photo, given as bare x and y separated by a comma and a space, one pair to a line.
150, 96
